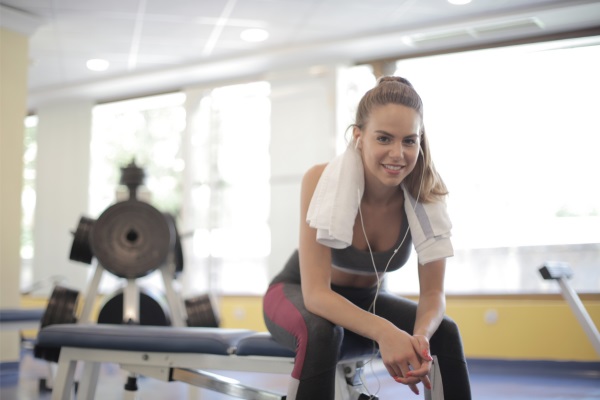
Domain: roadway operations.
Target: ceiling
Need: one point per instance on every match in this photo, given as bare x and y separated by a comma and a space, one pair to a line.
159, 45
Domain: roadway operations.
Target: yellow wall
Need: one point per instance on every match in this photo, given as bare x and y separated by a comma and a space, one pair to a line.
13, 92
527, 327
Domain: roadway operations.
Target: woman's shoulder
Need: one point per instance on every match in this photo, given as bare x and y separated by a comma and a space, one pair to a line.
311, 179
313, 174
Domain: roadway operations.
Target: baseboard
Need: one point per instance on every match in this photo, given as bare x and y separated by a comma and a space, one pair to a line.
574, 369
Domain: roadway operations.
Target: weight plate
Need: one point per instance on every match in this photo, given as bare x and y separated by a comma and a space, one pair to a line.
200, 312
61, 307
153, 309
177, 249
80, 249
130, 239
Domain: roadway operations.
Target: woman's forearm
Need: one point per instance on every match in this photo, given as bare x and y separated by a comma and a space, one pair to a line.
342, 312
430, 313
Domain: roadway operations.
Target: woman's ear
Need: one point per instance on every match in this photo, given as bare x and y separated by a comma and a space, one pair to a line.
356, 135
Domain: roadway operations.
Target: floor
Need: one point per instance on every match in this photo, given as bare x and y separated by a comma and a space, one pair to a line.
490, 379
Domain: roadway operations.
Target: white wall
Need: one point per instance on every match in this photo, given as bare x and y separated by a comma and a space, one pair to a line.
303, 133
62, 181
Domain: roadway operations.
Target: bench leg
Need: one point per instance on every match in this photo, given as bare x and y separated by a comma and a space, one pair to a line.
437, 388
89, 380
349, 381
63, 383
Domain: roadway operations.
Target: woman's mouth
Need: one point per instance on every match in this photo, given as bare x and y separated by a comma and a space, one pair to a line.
392, 168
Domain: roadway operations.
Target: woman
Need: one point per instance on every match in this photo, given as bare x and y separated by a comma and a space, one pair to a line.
331, 285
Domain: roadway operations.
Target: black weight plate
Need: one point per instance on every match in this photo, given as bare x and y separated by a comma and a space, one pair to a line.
80, 249
130, 239
200, 312
61, 307
177, 249
153, 309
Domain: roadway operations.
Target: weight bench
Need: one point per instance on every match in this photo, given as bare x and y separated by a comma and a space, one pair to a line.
182, 354
20, 318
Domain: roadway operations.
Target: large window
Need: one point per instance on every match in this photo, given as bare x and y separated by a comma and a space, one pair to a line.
206, 161
230, 196
515, 134
147, 131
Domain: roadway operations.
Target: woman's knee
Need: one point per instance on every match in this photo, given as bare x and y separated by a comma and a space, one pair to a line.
324, 334
447, 338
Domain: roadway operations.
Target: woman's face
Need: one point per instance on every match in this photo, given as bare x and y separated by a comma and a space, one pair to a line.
389, 143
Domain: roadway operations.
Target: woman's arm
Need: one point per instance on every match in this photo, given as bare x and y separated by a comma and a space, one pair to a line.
432, 301
397, 347
430, 312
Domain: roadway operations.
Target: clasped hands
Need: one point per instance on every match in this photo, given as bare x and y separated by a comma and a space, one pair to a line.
408, 361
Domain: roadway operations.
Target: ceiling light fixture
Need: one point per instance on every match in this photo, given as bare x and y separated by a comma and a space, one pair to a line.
97, 64
254, 35
459, 2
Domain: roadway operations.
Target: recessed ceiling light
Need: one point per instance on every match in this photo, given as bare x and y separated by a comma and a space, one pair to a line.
459, 2
97, 64
254, 35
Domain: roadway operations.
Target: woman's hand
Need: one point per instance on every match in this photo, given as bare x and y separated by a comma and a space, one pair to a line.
406, 358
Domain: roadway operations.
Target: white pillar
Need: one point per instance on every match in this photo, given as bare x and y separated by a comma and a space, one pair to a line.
303, 133
62, 182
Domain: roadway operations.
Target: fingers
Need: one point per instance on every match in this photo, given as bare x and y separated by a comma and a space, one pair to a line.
412, 386
421, 347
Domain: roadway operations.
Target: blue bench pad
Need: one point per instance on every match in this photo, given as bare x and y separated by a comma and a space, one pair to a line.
21, 314
141, 338
262, 344
166, 339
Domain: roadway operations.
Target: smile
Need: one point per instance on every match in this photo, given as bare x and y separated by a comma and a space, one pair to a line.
392, 167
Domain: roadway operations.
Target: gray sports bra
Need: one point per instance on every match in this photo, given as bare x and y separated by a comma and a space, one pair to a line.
358, 261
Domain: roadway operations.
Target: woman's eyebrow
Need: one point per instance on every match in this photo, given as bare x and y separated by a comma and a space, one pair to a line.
410, 135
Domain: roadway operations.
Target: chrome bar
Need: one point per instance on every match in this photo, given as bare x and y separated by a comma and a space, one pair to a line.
222, 384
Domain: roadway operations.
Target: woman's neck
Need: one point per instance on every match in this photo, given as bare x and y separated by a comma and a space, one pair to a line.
381, 195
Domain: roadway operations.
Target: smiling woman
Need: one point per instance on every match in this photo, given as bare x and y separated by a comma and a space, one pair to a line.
516, 133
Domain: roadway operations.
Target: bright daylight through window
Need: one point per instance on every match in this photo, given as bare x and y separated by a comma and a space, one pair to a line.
515, 134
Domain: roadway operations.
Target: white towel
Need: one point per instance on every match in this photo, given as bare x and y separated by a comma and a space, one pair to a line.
334, 205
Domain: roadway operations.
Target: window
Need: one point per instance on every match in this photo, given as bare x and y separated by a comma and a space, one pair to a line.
148, 131
206, 159
230, 192
515, 134
28, 198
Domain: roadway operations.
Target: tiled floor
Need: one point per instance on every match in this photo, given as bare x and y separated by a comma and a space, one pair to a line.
491, 380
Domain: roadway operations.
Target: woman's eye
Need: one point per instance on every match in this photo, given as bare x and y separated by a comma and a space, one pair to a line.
410, 142
383, 139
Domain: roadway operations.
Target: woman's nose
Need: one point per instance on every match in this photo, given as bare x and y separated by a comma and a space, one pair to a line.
397, 151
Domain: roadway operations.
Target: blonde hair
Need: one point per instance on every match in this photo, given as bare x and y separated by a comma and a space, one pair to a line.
397, 90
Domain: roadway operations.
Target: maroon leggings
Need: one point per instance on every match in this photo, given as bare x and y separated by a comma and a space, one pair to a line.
317, 341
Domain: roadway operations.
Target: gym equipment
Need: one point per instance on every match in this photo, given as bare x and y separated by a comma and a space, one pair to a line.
61, 307
561, 272
200, 312
153, 309
185, 354
132, 239
80, 249
17, 319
